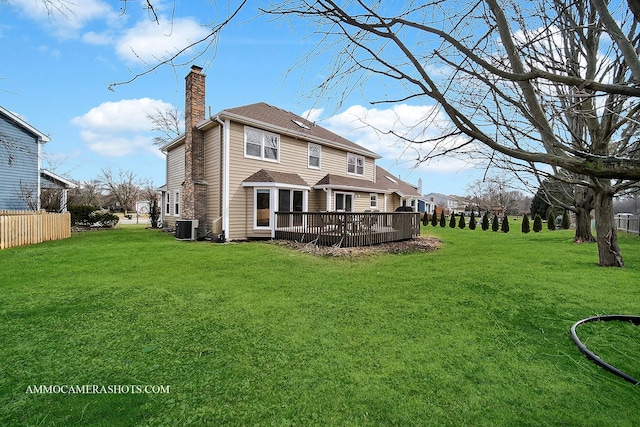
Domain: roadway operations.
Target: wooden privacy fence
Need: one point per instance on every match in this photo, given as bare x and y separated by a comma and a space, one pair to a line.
19, 228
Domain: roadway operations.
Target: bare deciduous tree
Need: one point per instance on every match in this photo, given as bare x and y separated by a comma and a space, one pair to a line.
168, 122
543, 82
124, 187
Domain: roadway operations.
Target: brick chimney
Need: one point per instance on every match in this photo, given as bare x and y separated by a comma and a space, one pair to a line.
194, 190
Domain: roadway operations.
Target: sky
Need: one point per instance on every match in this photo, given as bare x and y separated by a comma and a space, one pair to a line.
56, 69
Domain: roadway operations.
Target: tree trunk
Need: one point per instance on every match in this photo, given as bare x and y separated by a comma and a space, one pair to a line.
583, 226
583, 202
609, 254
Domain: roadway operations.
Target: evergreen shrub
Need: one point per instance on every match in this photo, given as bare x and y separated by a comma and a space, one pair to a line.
485, 221
525, 224
461, 222
551, 222
537, 223
505, 224
495, 225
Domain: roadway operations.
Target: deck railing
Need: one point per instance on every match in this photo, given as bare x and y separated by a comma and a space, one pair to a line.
347, 229
19, 228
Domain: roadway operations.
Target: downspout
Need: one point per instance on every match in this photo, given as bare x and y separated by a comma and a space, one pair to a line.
226, 133
39, 181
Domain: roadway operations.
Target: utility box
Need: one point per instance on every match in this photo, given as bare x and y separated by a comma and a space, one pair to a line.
186, 229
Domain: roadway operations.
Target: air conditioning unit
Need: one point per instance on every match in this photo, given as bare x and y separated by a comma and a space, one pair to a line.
186, 229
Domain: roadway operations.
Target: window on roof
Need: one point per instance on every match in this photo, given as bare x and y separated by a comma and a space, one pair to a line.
314, 151
261, 145
355, 164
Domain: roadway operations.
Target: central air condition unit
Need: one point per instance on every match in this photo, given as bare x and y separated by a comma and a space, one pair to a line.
186, 229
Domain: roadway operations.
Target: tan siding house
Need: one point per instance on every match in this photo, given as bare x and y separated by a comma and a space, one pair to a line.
234, 170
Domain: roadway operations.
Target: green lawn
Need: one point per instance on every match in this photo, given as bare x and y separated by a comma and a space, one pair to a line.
476, 333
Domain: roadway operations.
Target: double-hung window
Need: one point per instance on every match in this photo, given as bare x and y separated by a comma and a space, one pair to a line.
373, 201
355, 164
314, 151
176, 203
167, 204
261, 145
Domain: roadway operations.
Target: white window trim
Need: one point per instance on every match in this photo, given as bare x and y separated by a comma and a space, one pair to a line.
167, 203
309, 165
262, 147
353, 201
176, 203
272, 200
373, 198
356, 157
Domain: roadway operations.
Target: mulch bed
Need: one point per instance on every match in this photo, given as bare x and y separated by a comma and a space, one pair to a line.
418, 244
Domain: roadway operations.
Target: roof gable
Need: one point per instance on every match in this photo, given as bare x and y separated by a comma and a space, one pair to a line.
18, 121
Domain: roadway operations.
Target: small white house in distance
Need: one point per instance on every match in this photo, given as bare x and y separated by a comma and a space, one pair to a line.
448, 203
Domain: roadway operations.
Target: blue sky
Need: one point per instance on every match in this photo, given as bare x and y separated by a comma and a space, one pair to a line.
55, 71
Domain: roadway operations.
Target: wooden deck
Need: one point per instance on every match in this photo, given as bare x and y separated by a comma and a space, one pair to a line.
347, 229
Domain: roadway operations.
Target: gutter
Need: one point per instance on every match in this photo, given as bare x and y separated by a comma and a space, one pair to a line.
226, 133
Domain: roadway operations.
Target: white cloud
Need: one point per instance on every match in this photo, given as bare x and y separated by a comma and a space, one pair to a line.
66, 19
150, 41
119, 129
400, 134
98, 39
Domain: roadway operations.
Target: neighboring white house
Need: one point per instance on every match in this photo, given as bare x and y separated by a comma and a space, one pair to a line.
448, 203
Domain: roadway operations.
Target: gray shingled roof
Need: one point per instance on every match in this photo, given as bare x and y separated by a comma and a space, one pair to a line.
292, 123
264, 175
334, 181
399, 186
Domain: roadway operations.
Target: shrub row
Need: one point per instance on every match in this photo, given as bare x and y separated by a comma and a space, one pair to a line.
494, 223
88, 215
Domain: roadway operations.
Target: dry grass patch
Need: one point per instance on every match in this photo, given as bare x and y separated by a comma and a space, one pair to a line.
418, 244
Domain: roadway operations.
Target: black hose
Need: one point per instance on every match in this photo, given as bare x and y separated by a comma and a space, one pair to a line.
591, 355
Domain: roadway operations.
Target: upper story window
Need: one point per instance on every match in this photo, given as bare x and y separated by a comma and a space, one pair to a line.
314, 151
355, 164
261, 145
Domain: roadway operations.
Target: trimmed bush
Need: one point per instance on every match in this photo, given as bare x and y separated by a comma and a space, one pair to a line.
452, 221
80, 214
461, 222
103, 219
495, 224
434, 217
485, 221
505, 224
566, 220
537, 224
443, 220
425, 219
551, 222
525, 224
472, 221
